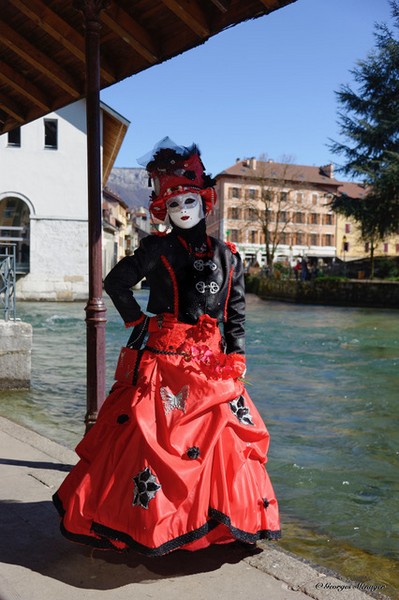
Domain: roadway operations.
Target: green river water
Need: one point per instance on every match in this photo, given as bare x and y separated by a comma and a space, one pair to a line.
326, 381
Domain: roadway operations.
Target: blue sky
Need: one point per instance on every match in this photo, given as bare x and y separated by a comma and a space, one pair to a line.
266, 86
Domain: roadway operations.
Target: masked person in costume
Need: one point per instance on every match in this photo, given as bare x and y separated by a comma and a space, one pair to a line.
176, 459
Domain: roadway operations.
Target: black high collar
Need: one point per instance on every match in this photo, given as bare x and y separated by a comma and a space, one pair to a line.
195, 236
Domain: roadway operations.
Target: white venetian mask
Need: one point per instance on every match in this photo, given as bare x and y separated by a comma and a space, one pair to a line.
185, 210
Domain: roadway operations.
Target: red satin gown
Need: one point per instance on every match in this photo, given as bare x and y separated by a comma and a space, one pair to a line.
177, 456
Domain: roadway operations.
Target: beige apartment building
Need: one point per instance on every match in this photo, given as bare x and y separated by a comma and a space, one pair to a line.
350, 246
300, 221
296, 198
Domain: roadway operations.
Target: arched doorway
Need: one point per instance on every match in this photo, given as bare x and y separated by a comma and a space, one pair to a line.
15, 229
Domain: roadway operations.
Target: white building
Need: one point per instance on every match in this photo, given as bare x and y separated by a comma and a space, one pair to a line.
43, 199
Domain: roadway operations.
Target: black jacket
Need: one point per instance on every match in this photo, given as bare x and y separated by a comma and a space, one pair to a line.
183, 284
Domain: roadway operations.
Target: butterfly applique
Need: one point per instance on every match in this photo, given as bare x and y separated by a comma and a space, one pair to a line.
172, 402
241, 411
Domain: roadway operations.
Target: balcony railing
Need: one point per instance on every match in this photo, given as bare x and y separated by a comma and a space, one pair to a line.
17, 235
7, 281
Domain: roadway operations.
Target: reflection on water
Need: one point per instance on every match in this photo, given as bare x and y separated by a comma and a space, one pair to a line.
326, 382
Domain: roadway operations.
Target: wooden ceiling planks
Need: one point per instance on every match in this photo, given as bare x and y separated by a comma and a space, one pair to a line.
42, 47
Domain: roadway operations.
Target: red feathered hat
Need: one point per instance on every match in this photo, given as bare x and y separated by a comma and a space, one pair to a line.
176, 170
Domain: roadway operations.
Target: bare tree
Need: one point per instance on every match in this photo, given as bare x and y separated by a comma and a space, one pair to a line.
269, 202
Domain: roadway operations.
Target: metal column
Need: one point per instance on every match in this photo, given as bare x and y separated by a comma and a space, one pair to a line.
95, 309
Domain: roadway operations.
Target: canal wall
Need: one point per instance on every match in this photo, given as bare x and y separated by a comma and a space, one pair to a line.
15, 354
328, 291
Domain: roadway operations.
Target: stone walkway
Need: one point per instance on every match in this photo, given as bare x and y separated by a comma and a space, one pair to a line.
37, 563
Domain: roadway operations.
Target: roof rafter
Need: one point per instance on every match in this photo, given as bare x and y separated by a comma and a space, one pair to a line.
269, 4
25, 87
43, 44
107, 165
222, 5
131, 32
37, 59
47, 20
191, 14
12, 108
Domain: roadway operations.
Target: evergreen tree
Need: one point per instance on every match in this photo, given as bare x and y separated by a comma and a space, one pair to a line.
369, 124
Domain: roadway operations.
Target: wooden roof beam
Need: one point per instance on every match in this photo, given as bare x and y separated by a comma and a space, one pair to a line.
38, 60
47, 20
269, 4
107, 166
121, 23
24, 87
222, 5
191, 14
8, 124
11, 108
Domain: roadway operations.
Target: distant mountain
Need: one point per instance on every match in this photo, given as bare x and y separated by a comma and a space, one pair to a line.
131, 185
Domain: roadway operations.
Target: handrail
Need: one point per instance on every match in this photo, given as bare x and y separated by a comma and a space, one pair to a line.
7, 280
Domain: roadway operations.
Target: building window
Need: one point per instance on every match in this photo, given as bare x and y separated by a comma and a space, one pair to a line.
283, 237
14, 138
314, 218
252, 214
51, 133
10, 208
283, 197
314, 199
328, 239
251, 194
386, 247
268, 195
314, 239
234, 235
235, 192
15, 229
253, 236
299, 198
347, 227
367, 247
299, 238
283, 216
328, 220
299, 217
397, 248
234, 213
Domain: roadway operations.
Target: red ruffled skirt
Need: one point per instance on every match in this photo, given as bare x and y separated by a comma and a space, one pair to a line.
177, 456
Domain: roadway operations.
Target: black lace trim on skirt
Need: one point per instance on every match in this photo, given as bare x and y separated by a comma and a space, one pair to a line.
105, 535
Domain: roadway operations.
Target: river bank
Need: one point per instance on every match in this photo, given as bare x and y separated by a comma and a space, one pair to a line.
328, 291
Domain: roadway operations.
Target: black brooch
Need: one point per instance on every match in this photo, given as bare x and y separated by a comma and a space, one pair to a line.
122, 419
145, 488
265, 502
241, 411
193, 452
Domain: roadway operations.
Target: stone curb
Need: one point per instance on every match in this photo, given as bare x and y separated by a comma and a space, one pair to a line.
312, 580
52, 449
